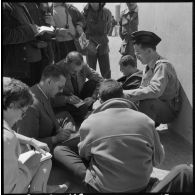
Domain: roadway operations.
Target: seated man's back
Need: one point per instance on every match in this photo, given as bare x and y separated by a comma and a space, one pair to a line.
122, 145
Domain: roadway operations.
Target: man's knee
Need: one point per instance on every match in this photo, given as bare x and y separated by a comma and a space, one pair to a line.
57, 152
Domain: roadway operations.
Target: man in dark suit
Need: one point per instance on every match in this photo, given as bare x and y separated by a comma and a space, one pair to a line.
77, 87
132, 76
40, 121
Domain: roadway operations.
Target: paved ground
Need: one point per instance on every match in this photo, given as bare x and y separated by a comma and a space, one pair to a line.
177, 150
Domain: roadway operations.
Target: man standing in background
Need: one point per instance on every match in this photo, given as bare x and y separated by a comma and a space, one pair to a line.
128, 24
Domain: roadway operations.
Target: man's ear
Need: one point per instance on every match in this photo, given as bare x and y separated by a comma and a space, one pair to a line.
150, 50
12, 105
48, 81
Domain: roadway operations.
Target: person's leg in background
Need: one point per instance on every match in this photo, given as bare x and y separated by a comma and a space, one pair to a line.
92, 61
36, 70
110, 32
70, 46
104, 63
180, 179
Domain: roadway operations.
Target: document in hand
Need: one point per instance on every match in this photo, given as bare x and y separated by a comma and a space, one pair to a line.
79, 104
27, 155
44, 29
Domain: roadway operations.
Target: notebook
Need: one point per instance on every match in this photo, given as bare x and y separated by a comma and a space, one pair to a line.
24, 157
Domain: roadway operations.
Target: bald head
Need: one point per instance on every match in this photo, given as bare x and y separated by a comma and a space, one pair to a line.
74, 62
74, 57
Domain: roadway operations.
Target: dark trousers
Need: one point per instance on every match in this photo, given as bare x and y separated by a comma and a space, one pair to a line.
61, 49
157, 110
180, 179
67, 157
104, 63
35, 74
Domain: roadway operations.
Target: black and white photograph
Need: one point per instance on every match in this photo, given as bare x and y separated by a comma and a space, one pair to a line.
97, 97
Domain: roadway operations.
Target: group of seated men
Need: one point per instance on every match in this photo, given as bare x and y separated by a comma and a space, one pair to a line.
117, 145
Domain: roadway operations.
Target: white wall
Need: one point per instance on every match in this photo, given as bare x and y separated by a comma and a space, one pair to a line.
173, 23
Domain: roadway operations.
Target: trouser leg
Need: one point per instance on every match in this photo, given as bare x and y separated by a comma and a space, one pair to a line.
180, 179
36, 71
104, 63
69, 159
92, 61
39, 181
70, 46
157, 110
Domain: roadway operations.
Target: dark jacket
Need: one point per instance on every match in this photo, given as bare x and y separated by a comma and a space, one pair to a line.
97, 26
131, 82
18, 41
39, 121
38, 17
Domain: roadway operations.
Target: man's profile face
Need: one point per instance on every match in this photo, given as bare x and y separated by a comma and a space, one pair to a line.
57, 86
75, 68
142, 54
126, 70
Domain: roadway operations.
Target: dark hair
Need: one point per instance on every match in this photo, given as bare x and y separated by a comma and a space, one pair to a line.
52, 71
15, 91
74, 56
110, 88
127, 60
145, 45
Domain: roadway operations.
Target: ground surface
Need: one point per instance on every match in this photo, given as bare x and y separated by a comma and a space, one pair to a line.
177, 150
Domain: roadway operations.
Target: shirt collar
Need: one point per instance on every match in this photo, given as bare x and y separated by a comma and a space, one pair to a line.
152, 63
42, 91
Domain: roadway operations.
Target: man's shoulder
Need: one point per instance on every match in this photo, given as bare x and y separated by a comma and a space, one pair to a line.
165, 64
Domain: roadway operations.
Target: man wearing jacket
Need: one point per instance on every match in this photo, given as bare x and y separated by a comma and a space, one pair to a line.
159, 92
97, 26
69, 18
118, 146
77, 87
132, 76
40, 121
22, 56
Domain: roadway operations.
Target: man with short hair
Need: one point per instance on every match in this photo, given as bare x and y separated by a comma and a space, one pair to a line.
76, 88
159, 90
132, 76
40, 121
118, 146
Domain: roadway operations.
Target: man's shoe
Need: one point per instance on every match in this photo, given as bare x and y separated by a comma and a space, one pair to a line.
58, 188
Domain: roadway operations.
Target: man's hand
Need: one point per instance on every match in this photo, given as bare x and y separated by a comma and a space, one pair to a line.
70, 126
62, 135
42, 44
61, 33
39, 146
73, 99
88, 101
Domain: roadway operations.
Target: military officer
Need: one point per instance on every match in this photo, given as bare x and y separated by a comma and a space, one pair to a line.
158, 94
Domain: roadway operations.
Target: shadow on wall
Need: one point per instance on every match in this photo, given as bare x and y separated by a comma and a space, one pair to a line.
183, 123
